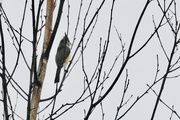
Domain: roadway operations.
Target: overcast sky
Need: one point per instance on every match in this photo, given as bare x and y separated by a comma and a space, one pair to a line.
141, 68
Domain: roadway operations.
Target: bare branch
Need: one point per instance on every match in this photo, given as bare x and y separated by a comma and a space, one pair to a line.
4, 82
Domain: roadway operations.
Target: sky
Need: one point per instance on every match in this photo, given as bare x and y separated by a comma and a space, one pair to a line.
141, 68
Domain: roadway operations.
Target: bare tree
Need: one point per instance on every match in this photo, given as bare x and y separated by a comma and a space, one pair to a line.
99, 65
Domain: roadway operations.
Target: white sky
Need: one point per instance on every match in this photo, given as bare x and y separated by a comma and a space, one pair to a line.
141, 68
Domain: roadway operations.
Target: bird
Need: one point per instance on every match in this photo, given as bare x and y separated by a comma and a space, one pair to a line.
62, 55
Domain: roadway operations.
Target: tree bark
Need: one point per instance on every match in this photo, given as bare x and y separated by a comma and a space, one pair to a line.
43, 61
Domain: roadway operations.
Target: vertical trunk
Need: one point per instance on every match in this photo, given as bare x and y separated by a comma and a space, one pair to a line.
43, 61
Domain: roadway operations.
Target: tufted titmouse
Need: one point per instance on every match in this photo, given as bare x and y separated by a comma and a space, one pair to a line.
62, 55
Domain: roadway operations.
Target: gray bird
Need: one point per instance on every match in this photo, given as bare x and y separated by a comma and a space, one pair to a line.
62, 55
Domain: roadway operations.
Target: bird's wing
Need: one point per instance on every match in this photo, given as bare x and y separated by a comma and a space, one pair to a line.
61, 55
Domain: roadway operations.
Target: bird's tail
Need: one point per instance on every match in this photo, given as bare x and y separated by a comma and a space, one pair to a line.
57, 75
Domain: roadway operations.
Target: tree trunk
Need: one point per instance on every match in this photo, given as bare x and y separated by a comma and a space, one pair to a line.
43, 61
